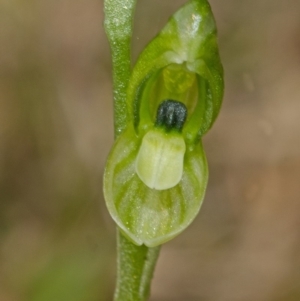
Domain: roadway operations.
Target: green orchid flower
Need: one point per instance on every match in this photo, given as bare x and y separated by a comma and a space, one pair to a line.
157, 173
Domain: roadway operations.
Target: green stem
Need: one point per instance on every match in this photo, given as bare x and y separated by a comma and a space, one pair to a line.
135, 270
135, 263
118, 26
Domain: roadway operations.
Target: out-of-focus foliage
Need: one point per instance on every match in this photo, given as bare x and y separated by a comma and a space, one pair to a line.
56, 239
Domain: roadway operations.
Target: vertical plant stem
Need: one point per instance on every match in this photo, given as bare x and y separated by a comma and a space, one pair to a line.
118, 24
135, 270
135, 263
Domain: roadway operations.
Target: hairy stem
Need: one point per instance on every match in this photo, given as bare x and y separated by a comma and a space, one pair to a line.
118, 26
135, 263
135, 270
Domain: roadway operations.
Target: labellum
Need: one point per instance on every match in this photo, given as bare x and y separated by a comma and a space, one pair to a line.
159, 163
156, 173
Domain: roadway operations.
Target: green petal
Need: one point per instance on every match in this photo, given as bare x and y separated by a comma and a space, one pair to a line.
159, 162
189, 40
149, 216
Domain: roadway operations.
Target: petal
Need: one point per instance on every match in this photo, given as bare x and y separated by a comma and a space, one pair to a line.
149, 216
189, 39
159, 163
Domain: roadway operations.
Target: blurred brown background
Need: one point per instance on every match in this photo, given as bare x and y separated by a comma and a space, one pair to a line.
57, 241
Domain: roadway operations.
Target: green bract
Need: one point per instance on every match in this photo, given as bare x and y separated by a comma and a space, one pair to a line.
156, 173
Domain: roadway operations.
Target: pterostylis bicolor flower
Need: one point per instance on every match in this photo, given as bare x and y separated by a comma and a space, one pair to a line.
156, 173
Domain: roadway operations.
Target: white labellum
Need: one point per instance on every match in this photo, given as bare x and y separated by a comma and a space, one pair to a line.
159, 163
